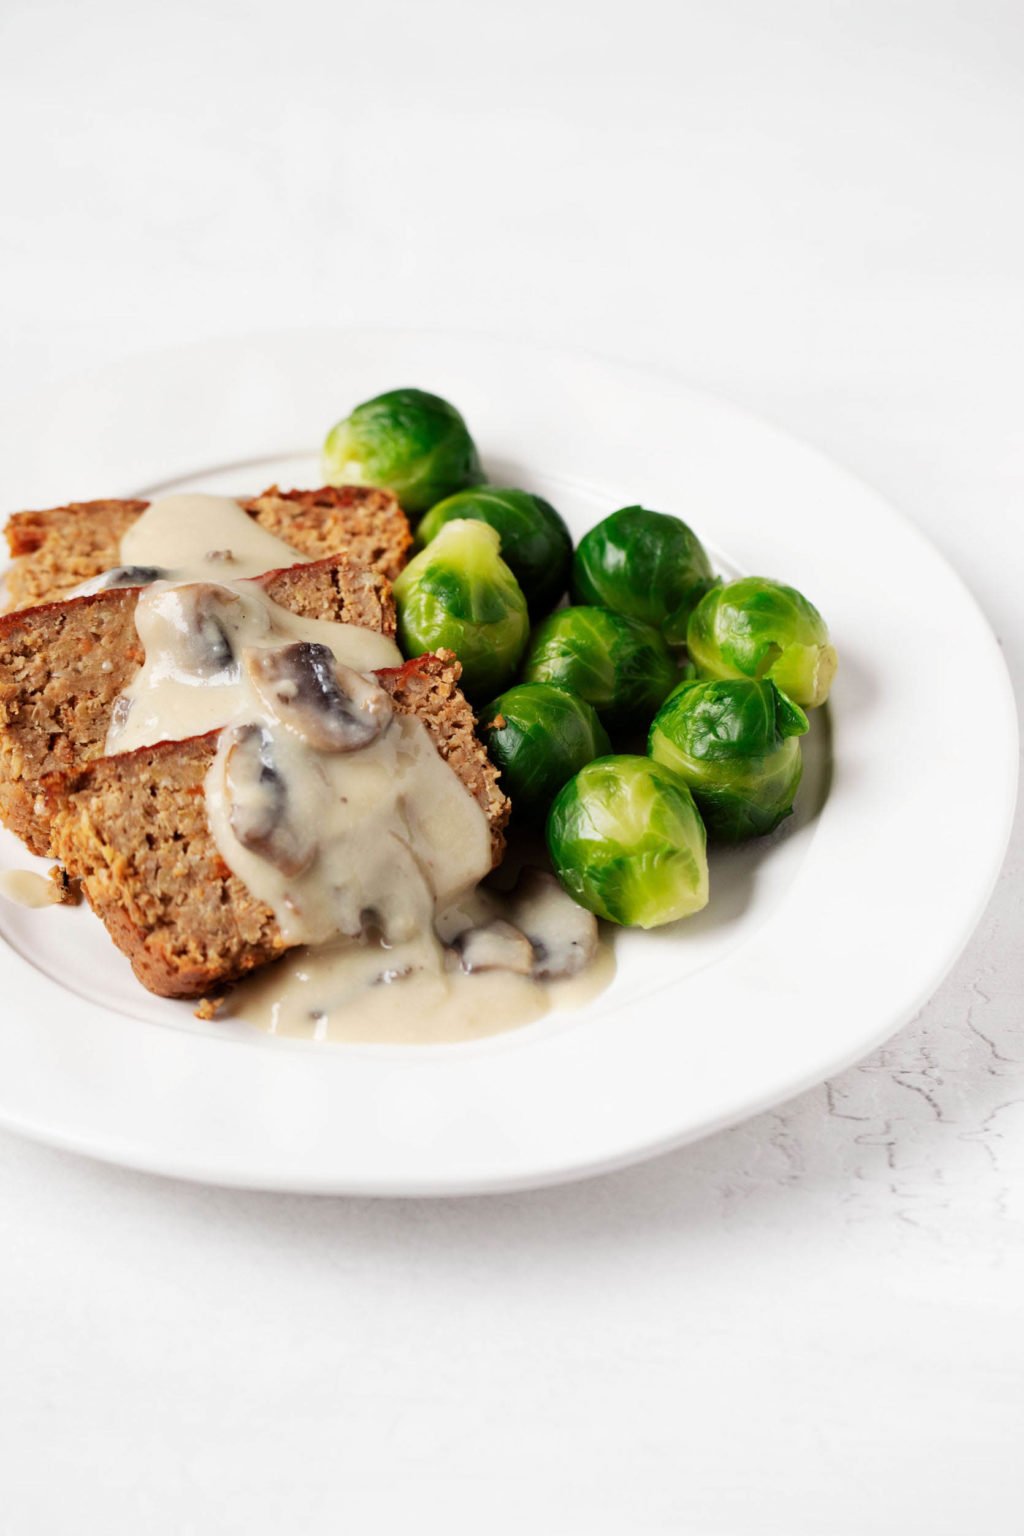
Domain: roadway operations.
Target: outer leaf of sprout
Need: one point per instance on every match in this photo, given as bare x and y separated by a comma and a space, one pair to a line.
459, 594
646, 565
410, 442
539, 736
620, 666
628, 843
758, 628
735, 743
535, 542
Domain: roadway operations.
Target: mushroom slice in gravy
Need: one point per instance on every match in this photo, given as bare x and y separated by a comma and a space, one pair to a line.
534, 930
329, 706
495, 947
259, 803
562, 933
133, 576
208, 614
188, 629
119, 576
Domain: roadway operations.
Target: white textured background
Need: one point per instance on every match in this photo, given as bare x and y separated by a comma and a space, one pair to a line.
813, 1323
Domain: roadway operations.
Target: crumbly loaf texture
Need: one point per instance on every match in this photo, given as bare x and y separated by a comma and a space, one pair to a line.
373, 527
61, 547
133, 830
63, 665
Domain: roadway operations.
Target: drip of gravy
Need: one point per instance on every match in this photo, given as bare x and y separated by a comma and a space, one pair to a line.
27, 889
408, 994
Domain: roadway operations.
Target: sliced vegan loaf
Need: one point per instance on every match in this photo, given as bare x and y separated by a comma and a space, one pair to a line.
61, 547
63, 666
133, 829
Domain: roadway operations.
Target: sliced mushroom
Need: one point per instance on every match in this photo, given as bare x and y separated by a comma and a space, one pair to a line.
260, 813
131, 576
195, 624
211, 610
119, 576
475, 910
562, 933
496, 947
328, 705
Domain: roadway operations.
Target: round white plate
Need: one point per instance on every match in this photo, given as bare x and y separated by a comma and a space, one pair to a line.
816, 945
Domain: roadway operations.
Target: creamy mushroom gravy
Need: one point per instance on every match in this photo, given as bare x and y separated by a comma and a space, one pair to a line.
414, 993
334, 808
194, 634
195, 536
376, 839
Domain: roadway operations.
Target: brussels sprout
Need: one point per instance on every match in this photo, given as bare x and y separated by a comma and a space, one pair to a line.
459, 594
539, 736
735, 743
627, 842
758, 628
622, 667
646, 565
535, 542
415, 444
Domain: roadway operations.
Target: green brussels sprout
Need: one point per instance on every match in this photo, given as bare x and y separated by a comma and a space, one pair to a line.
459, 594
535, 542
539, 736
627, 842
758, 628
735, 743
414, 444
646, 565
622, 667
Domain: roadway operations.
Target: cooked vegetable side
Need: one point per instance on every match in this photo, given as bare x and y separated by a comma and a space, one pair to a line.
646, 565
412, 443
759, 628
539, 736
458, 594
627, 842
736, 744
535, 542
619, 665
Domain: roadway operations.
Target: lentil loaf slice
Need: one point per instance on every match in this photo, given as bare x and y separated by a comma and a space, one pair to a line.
63, 665
133, 830
59, 548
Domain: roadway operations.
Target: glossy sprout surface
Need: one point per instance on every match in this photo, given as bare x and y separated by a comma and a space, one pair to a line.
646, 565
459, 595
736, 744
619, 665
535, 542
539, 736
412, 443
759, 628
627, 842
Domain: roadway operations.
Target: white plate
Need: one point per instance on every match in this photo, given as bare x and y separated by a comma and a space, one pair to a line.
816, 945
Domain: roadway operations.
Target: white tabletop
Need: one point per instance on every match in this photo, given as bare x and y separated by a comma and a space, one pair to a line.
811, 1323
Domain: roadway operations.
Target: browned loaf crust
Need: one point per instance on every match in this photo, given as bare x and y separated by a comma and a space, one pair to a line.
63, 665
61, 547
134, 830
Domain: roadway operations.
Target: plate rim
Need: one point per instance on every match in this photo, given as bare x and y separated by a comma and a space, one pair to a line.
117, 1152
